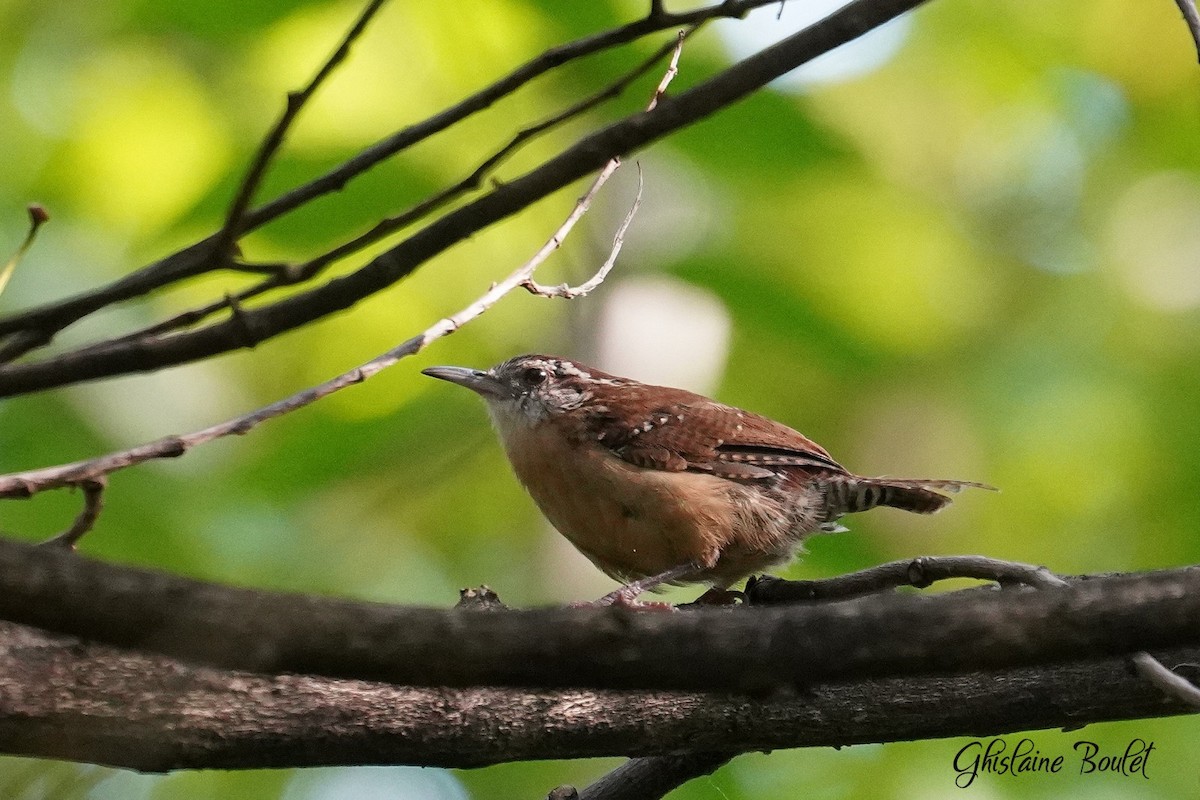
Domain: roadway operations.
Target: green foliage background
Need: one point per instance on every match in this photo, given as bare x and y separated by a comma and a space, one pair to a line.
979, 260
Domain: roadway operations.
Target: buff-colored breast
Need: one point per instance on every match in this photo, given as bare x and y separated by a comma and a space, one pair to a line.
633, 522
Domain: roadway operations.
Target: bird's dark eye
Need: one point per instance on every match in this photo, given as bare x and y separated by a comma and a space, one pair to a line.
533, 376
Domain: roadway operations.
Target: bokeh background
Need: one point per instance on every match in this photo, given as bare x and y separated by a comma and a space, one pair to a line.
968, 247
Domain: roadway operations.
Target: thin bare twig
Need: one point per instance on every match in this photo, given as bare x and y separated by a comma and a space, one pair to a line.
235, 217
1192, 18
79, 473
567, 292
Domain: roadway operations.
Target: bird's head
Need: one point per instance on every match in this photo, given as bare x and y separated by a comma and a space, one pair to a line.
527, 388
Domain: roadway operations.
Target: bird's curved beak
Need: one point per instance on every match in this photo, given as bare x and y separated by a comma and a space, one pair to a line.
476, 380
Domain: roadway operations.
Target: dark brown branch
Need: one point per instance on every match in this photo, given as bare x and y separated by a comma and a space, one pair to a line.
286, 275
750, 649
211, 254
87, 702
37, 326
589, 154
654, 777
28, 330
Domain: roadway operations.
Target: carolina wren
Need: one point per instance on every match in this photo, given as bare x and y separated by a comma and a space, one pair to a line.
658, 485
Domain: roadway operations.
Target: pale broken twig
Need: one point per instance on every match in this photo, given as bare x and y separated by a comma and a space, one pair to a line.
1174, 685
565, 290
37, 218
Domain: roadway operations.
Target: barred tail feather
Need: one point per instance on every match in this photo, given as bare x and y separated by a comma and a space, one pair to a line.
854, 494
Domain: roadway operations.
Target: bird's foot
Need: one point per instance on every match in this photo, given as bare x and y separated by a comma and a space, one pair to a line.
626, 597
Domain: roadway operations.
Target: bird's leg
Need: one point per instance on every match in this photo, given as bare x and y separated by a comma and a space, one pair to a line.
627, 594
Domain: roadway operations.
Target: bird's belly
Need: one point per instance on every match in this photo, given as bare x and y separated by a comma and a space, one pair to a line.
631, 529
633, 522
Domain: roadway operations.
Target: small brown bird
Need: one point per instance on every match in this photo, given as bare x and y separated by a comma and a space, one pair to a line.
658, 485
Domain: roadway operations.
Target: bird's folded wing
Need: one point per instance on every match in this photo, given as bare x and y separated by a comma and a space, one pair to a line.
697, 434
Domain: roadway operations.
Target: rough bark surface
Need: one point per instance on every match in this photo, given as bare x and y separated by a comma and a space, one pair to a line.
755, 650
63, 698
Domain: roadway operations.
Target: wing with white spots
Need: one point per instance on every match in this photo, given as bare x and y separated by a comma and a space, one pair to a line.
675, 430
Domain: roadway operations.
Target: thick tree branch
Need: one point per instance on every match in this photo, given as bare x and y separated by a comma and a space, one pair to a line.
749, 650
63, 698
257, 325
